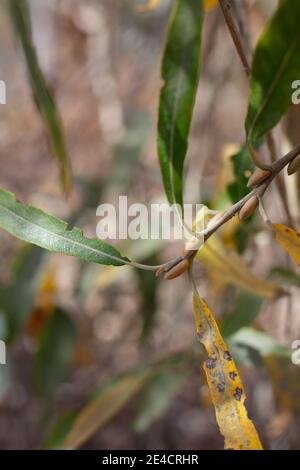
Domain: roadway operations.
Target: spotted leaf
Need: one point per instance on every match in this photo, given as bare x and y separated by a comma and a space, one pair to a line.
226, 388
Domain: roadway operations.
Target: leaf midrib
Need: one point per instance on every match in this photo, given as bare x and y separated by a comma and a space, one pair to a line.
74, 242
277, 77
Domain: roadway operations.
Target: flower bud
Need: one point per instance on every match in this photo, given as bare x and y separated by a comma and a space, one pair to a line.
258, 176
248, 208
177, 270
294, 165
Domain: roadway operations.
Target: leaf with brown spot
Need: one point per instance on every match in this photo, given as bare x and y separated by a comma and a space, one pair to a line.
226, 388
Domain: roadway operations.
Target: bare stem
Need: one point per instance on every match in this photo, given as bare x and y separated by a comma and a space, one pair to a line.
241, 40
258, 191
235, 34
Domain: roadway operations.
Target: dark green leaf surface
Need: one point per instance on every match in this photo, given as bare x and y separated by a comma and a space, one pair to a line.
246, 310
35, 226
114, 394
17, 299
180, 72
276, 65
242, 167
286, 275
157, 396
55, 352
41, 90
59, 430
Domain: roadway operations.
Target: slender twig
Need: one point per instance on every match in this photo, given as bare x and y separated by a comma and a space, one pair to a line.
235, 34
279, 181
241, 18
241, 40
258, 191
242, 44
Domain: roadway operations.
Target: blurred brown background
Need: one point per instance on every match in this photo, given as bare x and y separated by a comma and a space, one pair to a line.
102, 59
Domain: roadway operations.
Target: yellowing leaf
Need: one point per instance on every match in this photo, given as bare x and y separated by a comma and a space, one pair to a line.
209, 4
103, 408
227, 265
151, 4
230, 267
226, 389
289, 240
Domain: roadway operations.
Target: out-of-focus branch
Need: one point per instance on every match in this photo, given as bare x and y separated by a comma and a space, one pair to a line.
258, 192
241, 40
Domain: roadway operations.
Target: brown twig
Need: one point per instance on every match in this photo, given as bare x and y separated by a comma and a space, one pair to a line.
235, 34
279, 181
241, 40
258, 191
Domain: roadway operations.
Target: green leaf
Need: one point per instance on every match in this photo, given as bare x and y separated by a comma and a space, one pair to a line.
286, 275
59, 430
259, 341
276, 64
180, 72
242, 167
35, 226
157, 396
105, 406
55, 352
246, 310
4, 379
17, 299
113, 395
42, 93
148, 286
127, 153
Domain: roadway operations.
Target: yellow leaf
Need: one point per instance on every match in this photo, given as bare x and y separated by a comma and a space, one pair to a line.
226, 389
151, 4
230, 266
102, 409
226, 264
289, 240
209, 4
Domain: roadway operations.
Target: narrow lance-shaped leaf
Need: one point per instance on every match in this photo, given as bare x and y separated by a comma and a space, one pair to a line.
17, 299
39, 228
100, 410
41, 90
180, 72
276, 64
54, 353
245, 312
226, 389
113, 395
230, 267
285, 275
289, 240
148, 5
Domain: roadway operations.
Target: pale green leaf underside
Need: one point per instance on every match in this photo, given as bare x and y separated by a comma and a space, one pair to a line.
35, 226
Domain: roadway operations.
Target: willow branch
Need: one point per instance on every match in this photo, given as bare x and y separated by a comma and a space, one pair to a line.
241, 41
258, 191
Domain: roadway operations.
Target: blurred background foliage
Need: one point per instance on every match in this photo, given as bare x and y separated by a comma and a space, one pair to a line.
103, 357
